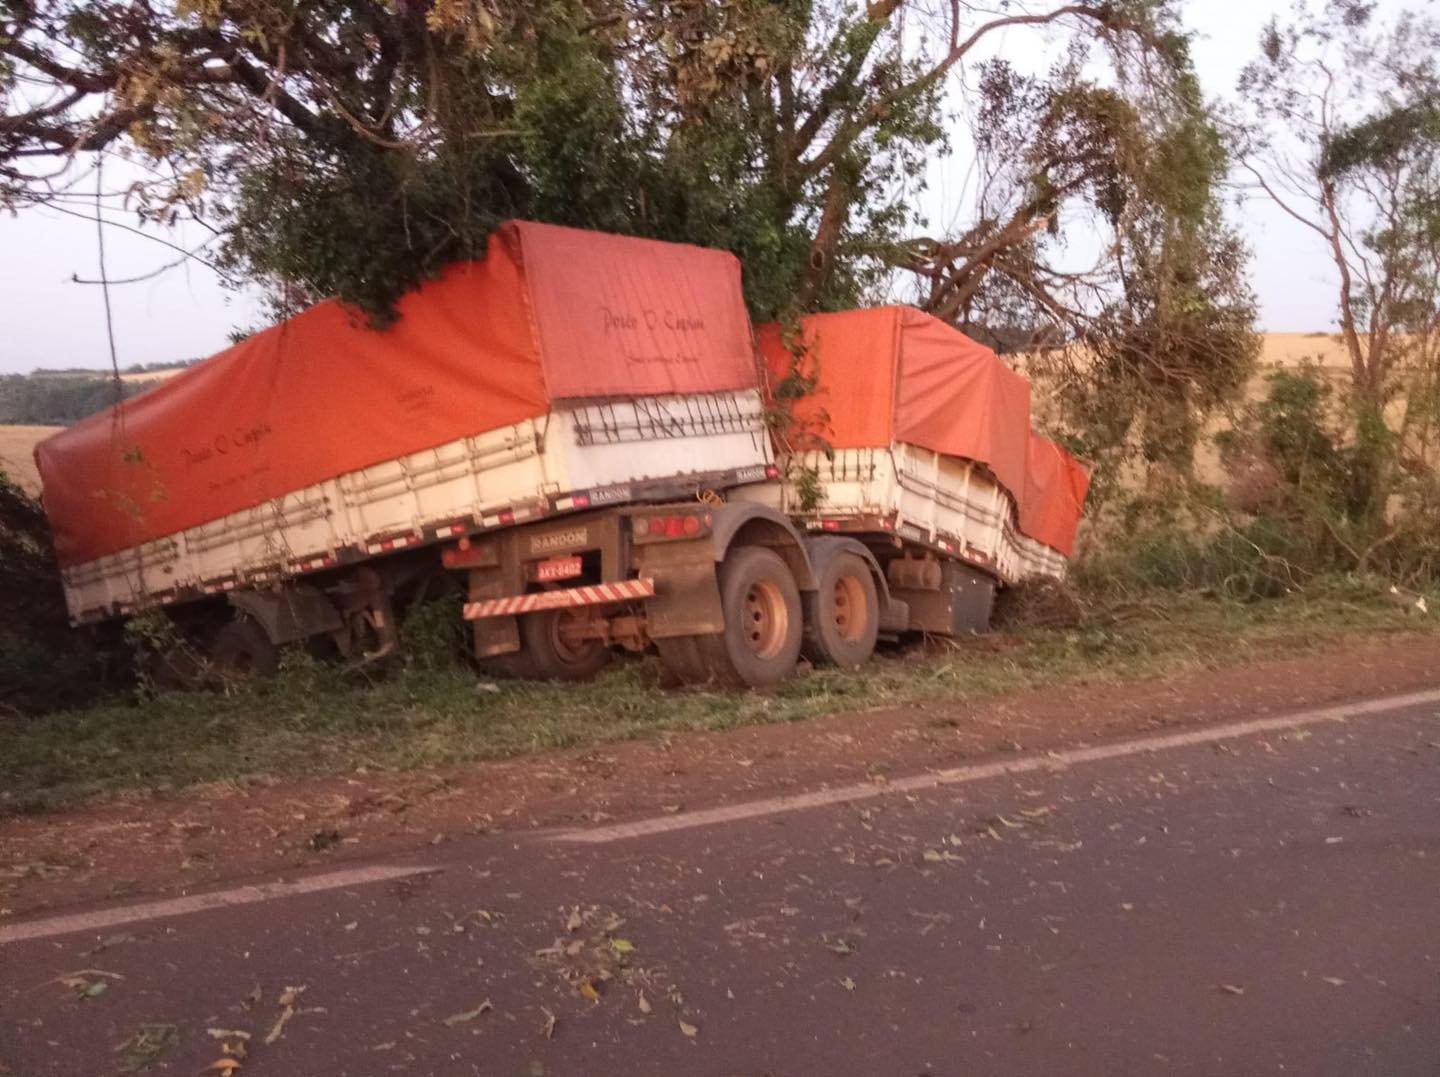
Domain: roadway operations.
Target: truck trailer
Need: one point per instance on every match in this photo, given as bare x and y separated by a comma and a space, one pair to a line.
916, 442
573, 432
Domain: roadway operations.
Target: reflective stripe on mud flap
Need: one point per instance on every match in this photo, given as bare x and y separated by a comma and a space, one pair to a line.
589, 595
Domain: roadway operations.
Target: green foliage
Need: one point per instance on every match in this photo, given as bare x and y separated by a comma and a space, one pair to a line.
52, 399
1163, 327
687, 121
1362, 93
1382, 141
43, 663
435, 636
1301, 479
353, 148
808, 488
1244, 564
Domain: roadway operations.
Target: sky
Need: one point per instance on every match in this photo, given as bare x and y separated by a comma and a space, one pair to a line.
49, 320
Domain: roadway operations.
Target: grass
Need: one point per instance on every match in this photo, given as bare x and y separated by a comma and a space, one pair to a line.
316, 721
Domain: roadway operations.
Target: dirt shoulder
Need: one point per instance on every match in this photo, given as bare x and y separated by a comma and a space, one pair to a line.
222, 833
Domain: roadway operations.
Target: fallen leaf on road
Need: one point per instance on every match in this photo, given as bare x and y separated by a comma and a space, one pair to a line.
689, 1029
932, 919
287, 1000
1231, 989
848, 984
645, 1006
146, 1044
842, 947
622, 946
548, 1028
87, 983
932, 856
106, 943
587, 989
279, 1026
228, 1034
573, 922
1333, 981
466, 1016
224, 1066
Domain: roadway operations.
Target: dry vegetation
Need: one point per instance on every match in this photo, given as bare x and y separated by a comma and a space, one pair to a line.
17, 445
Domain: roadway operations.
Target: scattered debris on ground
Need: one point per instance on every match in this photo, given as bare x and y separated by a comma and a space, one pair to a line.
1038, 603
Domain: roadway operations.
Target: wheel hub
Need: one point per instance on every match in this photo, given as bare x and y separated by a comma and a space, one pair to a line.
765, 619
849, 608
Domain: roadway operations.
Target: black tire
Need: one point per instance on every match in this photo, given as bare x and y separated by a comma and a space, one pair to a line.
241, 649
515, 666
763, 624
842, 616
682, 662
546, 655
180, 668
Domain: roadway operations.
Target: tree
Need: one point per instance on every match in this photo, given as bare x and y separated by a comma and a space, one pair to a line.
1345, 138
353, 146
1160, 315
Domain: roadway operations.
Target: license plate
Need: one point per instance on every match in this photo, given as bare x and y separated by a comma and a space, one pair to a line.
557, 568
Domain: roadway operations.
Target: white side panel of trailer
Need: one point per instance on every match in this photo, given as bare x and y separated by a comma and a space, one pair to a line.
948, 502
604, 444
451, 489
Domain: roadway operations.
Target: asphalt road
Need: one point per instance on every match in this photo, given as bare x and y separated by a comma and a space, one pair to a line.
1261, 904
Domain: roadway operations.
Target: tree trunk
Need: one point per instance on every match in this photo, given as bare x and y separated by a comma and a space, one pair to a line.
1370, 475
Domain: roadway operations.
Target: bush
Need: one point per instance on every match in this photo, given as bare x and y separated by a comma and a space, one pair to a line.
44, 663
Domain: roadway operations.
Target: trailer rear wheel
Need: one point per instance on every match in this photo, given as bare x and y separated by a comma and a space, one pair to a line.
180, 667
242, 649
842, 616
551, 651
761, 640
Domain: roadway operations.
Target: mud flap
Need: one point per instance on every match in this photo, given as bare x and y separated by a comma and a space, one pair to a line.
961, 606
687, 594
294, 613
494, 636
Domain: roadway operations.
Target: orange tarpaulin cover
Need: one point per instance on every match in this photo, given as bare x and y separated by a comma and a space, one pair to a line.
1055, 488
551, 314
896, 374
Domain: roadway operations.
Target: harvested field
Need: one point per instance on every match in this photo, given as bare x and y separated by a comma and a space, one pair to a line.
17, 444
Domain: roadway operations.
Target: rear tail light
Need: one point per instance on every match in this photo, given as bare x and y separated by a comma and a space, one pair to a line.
673, 526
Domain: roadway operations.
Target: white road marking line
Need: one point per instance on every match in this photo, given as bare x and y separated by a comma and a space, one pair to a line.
245, 895
760, 809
